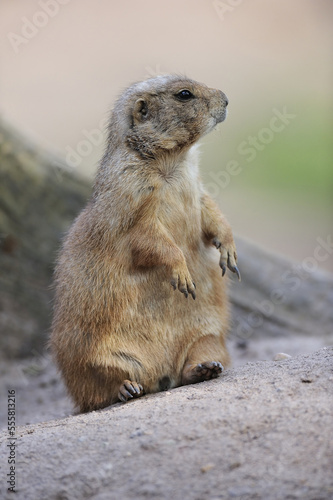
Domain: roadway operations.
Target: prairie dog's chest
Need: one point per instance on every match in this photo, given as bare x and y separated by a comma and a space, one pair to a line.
179, 208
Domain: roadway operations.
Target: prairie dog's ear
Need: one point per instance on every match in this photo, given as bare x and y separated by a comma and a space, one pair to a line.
140, 111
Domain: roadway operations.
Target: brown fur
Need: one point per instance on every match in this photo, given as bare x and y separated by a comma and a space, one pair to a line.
120, 329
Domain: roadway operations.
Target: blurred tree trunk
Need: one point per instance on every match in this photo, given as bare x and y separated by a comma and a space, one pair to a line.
40, 197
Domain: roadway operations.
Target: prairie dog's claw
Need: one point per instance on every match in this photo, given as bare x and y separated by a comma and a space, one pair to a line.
216, 243
228, 258
233, 267
223, 259
236, 271
223, 267
183, 281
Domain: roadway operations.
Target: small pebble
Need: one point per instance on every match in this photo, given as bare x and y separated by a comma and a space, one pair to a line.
107, 466
234, 465
207, 467
280, 356
136, 433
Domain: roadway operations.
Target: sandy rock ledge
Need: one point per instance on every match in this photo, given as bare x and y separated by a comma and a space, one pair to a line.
261, 431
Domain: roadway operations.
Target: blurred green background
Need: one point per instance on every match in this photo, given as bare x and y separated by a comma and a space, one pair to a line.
283, 198
63, 68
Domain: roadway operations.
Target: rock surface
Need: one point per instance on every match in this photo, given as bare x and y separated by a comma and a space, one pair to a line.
260, 431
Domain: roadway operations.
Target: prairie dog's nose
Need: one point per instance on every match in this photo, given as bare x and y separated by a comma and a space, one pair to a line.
224, 98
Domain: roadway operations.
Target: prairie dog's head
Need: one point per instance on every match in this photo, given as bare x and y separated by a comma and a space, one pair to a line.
167, 113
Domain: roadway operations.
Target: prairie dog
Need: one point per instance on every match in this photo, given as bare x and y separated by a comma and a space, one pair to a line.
144, 244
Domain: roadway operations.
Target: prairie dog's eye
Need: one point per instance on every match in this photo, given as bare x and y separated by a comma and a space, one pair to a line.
184, 95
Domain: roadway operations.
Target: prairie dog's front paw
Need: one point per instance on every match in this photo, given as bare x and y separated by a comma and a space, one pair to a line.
228, 256
182, 280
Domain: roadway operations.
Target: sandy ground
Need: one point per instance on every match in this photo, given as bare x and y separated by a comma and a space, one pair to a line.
263, 430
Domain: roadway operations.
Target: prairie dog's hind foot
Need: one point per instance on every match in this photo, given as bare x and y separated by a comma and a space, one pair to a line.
201, 371
129, 390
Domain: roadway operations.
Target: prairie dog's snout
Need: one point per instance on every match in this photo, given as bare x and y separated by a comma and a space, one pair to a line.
224, 98
218, 105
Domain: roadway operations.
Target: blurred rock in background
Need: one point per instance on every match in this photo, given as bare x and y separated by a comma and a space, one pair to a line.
39, 197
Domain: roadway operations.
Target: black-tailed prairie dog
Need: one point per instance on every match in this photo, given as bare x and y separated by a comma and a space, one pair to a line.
149, 241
